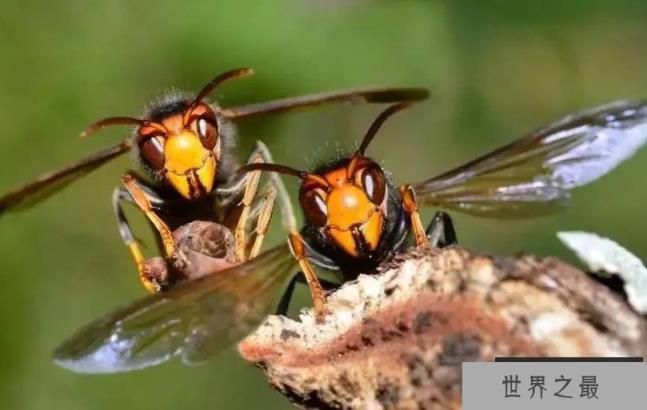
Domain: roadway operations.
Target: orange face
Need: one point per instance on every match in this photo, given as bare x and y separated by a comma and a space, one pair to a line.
184, 148
349, 204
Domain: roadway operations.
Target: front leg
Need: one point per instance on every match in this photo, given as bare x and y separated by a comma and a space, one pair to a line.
286, 296
316, 290
247, 185
143, 202
262, 216
133, 191
251, 189
411, 208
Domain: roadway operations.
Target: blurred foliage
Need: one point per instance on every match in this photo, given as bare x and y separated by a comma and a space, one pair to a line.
497, 70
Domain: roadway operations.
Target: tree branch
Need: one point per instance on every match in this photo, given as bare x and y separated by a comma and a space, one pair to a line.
397, 339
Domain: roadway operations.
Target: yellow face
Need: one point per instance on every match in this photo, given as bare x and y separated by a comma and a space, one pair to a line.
354, 222
349, 205
190, 168
184, 149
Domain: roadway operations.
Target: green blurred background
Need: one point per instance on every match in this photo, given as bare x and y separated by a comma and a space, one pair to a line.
497, 70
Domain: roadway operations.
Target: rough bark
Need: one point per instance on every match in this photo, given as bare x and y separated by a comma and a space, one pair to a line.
397, 339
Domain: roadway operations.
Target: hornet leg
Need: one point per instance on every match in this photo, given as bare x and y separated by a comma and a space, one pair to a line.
240, 233
411, 208
316, 291
249, 185
263, 219
286, 297
123, 194
440, 231
138, 194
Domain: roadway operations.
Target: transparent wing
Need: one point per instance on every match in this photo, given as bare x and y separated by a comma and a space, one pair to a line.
51, 182
195, 319
369, 95
533, 175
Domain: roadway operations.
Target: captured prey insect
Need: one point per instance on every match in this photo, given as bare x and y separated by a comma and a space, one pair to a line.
218, 303
354, 214
355, 218
185, 145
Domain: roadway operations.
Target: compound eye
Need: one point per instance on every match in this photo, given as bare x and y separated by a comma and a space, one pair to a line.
152, 149
314, 207
373, 183
205, 127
